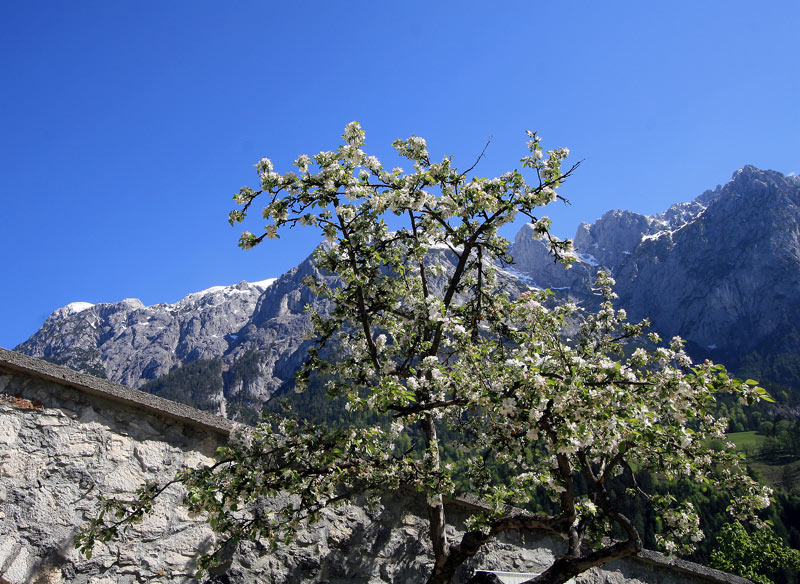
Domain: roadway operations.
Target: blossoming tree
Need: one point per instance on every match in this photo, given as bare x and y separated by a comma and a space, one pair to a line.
425, 330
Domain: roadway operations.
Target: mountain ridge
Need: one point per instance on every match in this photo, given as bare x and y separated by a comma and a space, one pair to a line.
721, 270
92, 337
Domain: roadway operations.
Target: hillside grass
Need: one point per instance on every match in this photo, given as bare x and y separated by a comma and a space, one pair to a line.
780, 472
748, 443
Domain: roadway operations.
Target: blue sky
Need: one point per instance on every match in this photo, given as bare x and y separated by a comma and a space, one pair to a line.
125, 128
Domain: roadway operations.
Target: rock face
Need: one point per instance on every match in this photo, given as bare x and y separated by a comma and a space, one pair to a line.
730, 277
226, 349
130, 343
607, 243
244, 340
722, 271
270, 347
67, 438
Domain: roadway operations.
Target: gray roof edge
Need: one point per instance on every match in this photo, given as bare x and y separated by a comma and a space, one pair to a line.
11, 360
679, 565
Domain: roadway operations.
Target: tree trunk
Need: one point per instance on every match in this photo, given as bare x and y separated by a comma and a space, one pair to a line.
435, 503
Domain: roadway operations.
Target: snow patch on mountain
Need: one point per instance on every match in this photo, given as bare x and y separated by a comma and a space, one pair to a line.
588, 258
264, 284
73, 308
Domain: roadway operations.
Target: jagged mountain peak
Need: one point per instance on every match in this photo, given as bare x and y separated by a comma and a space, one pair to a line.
611, 238
190, 300
748, 172
131, 343
217, 294
728, 278
754, 182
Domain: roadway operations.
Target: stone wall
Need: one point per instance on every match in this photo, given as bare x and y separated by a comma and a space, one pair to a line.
62, 446
66, 438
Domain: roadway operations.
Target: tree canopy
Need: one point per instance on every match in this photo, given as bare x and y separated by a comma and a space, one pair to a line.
761, 556
544, 400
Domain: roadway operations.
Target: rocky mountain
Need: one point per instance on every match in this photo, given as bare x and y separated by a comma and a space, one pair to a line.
730, 277
607, 243
722, 271
225, 349
130, 343
265, 353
